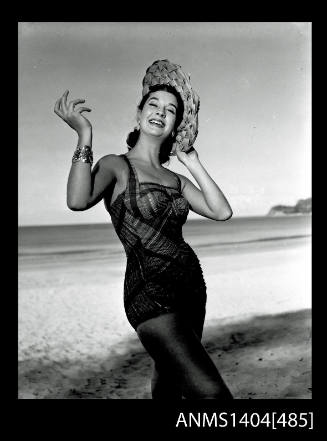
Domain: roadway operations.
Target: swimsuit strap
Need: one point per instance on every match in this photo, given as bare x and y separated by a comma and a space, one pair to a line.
136, 179
133, 187
128, 162
133, 173
179, 181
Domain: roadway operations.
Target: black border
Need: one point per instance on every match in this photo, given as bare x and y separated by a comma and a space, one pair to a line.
139, 417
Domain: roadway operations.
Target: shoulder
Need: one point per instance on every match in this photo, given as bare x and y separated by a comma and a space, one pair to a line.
112, 162
184, 180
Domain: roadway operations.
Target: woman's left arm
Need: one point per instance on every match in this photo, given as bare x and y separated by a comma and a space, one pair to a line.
210, 201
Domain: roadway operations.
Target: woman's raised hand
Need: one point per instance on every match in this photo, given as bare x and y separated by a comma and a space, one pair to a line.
188, 157
71, 115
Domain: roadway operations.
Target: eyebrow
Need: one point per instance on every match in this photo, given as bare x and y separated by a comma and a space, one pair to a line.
155, 98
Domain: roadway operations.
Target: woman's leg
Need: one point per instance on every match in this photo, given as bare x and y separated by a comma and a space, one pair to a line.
164, 384
177, 351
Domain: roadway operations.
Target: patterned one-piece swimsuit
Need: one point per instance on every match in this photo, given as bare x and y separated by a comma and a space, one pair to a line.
163, 273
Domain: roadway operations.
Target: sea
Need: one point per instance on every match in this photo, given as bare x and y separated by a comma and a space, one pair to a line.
60, 244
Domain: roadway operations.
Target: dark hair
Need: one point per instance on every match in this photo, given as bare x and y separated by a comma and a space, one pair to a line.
167, 145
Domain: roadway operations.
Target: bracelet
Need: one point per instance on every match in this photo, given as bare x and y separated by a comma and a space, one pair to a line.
83, 154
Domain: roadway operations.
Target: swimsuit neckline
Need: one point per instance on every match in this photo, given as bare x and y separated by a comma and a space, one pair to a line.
148, 182
157, 183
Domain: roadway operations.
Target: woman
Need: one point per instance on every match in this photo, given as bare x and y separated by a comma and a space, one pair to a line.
164, 290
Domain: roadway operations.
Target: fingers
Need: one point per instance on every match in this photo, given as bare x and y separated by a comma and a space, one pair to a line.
62, 109
63, 102
83, 109
57, 108
73, 103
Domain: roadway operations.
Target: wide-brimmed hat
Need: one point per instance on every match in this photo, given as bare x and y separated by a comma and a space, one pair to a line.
165, 72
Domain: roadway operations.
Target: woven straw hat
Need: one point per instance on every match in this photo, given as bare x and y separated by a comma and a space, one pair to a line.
165, 72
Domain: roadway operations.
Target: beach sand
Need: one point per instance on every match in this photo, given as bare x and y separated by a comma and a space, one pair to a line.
75, 341
264, 357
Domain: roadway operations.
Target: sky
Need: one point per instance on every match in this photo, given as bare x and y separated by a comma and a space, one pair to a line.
254, 83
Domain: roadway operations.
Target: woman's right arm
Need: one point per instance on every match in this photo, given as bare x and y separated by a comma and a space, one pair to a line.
85, 187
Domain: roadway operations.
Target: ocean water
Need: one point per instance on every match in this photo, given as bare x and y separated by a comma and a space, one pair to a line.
60, 243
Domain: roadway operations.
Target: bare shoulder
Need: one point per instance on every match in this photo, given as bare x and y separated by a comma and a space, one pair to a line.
184, 180
112, 162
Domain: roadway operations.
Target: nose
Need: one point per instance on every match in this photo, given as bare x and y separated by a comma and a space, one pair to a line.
161, 112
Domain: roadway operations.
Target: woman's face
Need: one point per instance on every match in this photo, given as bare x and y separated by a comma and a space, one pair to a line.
158, 115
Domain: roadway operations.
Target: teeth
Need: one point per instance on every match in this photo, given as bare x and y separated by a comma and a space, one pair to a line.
158, 123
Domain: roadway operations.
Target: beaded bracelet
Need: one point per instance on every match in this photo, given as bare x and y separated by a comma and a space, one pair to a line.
83, 154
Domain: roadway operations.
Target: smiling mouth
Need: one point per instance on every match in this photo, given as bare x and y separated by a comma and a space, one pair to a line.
156, 123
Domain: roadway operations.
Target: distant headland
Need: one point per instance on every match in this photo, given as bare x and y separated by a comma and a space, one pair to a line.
303, 206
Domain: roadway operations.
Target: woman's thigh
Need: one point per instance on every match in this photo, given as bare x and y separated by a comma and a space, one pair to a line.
175, 346
165, 384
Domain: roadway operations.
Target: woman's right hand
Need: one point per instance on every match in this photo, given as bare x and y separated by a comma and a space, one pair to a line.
73, 117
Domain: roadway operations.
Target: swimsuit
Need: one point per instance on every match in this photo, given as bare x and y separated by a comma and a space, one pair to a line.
163, 273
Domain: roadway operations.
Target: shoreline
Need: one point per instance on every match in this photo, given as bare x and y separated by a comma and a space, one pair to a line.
103, 224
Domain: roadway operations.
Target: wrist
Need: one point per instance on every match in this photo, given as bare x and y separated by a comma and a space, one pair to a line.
193, 164
83, 154
85, 138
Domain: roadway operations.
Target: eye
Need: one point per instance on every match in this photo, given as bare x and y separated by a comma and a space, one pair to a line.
152, 104
171, 111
